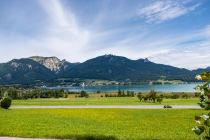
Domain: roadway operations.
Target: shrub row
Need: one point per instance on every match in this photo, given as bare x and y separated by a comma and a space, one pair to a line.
152, 96
122, 93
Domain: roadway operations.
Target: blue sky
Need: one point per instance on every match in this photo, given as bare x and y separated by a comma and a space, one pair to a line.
174, 32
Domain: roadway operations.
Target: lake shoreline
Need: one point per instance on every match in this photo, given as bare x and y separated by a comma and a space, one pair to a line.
186, 87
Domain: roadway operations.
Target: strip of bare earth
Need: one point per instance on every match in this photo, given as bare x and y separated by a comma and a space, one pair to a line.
112, 106
14, 138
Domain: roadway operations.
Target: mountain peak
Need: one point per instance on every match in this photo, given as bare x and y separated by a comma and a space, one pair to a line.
208, 68
41, 57
111, 56
146, 60
108, 55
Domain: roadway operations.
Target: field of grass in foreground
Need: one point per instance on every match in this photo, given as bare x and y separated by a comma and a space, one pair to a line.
101, 124
102, 101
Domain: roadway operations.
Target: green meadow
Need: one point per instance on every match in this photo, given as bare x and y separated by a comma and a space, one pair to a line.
100, 124
102, 101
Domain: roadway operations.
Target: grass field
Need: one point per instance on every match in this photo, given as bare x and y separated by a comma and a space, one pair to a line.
101, 101
101, 124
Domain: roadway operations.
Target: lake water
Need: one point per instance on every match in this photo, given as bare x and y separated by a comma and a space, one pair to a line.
135, 88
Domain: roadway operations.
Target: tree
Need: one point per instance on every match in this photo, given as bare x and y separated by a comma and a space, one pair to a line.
159, 99
119, 93
203, 129
139, 96
84, 94
152, 95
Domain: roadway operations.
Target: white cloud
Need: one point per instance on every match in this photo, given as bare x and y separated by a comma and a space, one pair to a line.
187, 52
62, 37
163, 10
191, 58
65, 38
59, 17
63, 32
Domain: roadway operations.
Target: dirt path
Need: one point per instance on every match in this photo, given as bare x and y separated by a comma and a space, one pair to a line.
13, 138
113, 106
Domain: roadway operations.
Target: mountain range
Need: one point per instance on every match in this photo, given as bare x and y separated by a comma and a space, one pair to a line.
107, 67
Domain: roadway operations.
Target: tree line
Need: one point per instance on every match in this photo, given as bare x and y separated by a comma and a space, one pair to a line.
20, 93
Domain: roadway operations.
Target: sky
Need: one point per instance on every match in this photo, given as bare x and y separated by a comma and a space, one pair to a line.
172, 32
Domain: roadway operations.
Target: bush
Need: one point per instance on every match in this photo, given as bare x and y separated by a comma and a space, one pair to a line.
139, 96
159, 100
197, 94
6, 102
84, 94
175, 96
185, 96
66, 95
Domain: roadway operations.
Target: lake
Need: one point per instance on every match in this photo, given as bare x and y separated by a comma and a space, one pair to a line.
135, 88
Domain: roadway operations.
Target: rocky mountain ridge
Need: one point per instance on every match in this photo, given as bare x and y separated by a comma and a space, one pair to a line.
52, 63
106, 67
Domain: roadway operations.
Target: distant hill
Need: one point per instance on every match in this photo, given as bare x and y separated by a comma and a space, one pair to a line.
106, 67
119, 68
200, 70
